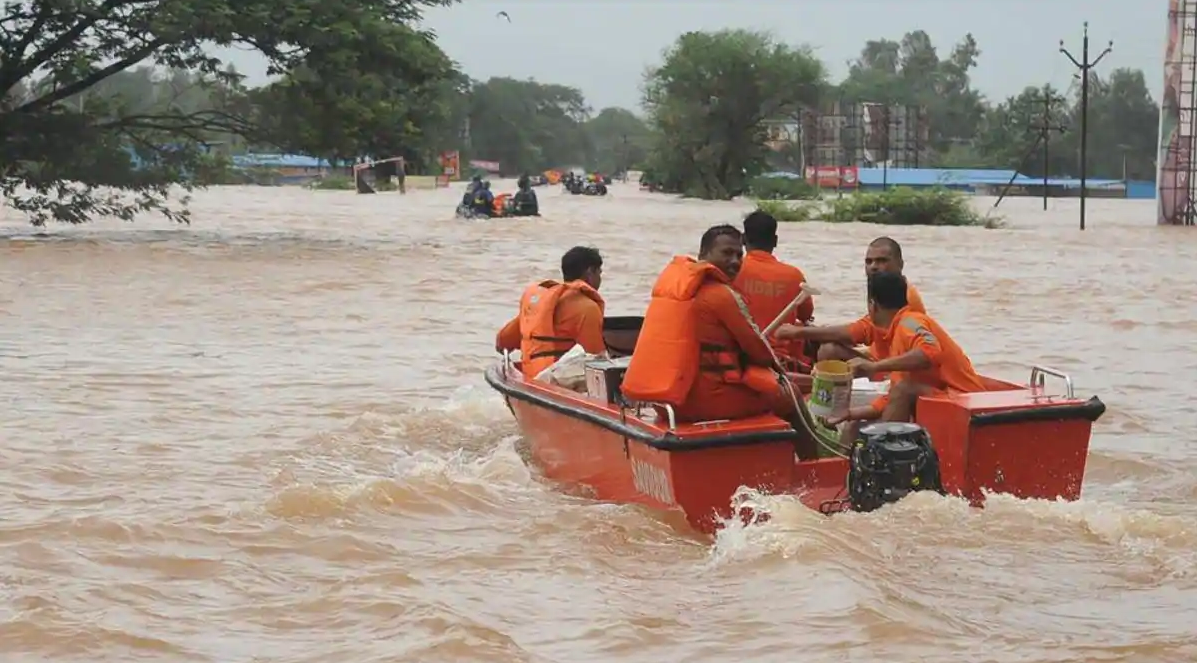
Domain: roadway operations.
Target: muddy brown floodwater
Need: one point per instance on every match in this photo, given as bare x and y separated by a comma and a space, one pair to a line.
266, 437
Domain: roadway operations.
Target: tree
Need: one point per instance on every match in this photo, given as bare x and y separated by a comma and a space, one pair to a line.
708, 103
102, 157
378, 111
909, 72
527, 126
619, 140
1123, 127
1008, 135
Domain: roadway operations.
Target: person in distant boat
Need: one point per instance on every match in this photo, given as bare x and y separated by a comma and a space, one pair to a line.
556, 315
920, 356
769, 285
467, 198
525, 200
484, 201
883, 255
699, 350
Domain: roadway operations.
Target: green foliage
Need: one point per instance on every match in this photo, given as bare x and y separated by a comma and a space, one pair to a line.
105, 109
71, 151
965, 132
782, 188
789, 212
318, 110
618, 140
335, 182
527, 126
1123, 130
910, 72
902, 206
708, 103
893, 207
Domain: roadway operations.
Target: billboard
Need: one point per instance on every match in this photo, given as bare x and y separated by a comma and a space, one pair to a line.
865, 135
833, 177
1176, 186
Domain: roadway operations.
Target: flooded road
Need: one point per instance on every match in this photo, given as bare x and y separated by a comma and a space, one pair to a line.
266, 437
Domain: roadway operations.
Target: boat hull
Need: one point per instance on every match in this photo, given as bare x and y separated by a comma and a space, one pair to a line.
1013, 439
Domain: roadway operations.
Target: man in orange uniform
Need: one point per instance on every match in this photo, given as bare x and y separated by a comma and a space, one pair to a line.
554, 316
699, 350
920, 356
769, 285
883, 255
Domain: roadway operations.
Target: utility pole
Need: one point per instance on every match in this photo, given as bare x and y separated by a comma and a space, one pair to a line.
1044, 128
1085, 66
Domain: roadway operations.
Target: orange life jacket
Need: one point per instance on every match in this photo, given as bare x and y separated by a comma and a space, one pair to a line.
668, 355
540, 344
499, 205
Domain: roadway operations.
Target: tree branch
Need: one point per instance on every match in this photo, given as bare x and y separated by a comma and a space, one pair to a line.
68, 38
91, 79
17, 54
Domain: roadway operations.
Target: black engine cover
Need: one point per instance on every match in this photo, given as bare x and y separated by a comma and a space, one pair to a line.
889, 461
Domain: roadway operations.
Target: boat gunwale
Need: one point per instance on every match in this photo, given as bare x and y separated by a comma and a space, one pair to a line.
597, 414
602, 417
1090, 410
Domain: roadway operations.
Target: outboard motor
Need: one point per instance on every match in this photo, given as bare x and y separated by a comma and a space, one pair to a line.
890, 460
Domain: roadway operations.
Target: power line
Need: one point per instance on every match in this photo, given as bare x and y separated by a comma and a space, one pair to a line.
1044, 128
1084, 65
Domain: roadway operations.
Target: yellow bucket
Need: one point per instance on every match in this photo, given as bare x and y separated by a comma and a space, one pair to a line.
831, 388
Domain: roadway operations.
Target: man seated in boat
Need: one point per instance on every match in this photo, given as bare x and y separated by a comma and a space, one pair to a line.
484, 201
554, 316
525, 201
920, 356
769, 285
699, 350
883, 255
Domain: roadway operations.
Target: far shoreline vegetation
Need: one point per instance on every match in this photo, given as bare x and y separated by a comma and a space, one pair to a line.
88, 129
795, 200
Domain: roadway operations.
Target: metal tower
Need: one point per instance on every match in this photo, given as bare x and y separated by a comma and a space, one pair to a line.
1177, 159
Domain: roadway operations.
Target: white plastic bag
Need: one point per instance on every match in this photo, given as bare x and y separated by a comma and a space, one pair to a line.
865, 391
569, 371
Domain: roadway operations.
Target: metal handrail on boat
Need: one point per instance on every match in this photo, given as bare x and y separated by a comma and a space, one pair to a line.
670, 415
1039, 379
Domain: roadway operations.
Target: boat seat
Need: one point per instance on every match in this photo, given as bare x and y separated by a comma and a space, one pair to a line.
620, 334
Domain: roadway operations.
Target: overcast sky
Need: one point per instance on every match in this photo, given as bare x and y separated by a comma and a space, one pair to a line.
604, 46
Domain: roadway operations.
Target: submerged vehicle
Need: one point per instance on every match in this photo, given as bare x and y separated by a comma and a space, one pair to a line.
1014, 438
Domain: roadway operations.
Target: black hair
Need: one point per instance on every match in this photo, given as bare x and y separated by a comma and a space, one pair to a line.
722, 230
888, 290
891, 244
760, 230
577, 260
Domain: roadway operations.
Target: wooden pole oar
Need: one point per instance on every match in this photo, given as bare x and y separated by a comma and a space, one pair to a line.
805, 292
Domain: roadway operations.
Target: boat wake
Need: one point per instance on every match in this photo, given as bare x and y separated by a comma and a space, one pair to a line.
1155, 545
416, 461
462, 460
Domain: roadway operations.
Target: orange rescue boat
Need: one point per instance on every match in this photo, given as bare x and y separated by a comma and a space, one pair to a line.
1014, 439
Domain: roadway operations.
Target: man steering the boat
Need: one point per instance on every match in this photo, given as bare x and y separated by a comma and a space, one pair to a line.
769, 285
921, 357
699, 350
884, 254
555, 316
